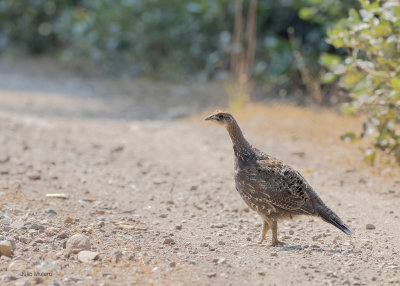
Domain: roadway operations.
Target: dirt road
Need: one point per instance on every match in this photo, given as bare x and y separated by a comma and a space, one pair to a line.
156, 198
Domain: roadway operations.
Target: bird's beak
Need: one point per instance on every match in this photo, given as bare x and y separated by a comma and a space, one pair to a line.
208, 117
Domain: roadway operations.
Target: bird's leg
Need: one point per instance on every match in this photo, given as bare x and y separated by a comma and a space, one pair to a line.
274, 228
263, 233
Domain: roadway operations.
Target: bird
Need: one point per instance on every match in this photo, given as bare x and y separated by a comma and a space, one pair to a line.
270, 187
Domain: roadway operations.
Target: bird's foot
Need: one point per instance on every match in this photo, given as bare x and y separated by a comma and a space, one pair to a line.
258, 243
277, 243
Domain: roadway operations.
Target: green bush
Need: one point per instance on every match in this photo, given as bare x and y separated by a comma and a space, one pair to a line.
172, 39
371, 70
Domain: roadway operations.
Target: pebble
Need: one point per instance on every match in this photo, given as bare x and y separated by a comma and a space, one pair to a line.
172, 264
370, 226
212, 247
211, 275
178, 226
63, 235
6, 248
117, 255
69, 220
51, 212
18, 265
219, 225
222, 260
22, 282
77, 243
18, 224
87, 256
34, 176
204, 244
291, 232
24, 239
159, 181
47, 266
51, 231
168, 241
221, 242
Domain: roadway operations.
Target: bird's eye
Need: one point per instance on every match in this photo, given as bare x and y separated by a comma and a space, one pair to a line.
220, 116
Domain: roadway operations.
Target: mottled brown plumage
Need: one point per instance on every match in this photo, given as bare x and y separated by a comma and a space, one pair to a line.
268, 186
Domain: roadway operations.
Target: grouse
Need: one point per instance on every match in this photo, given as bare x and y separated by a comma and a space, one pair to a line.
271, 188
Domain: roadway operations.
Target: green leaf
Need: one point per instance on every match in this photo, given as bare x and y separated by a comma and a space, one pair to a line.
395, 83
354, 16
328, 77
329, 60
370, 156
349, 137
307, 13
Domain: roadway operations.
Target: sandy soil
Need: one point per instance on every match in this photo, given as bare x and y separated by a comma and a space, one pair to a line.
156, 198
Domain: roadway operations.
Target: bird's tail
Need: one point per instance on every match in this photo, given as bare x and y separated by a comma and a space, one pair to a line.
329, 216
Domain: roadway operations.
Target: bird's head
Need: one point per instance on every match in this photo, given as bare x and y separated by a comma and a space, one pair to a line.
221, 118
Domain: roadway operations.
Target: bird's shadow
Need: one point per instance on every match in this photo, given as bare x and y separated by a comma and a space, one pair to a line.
313, 249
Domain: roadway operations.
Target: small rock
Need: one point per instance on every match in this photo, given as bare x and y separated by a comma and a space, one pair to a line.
34, 226
24, 239
274, 254
76, 243
221, 242
51, 212
362, 181
117, 255
47, 266
34, 176
172, 264
4, 159
163, 215
218, 225
204, 244
194, 188
117, 149
22, 282
212, 247
50, 232
87, 256
69, 220
63, 235
211, 275
222, 260
18, 265
159, 181
168, 241
370, 226
291, 232
17, 224
6, 248
178, 226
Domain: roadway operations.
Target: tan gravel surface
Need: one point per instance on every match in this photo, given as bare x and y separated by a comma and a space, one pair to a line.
156, 202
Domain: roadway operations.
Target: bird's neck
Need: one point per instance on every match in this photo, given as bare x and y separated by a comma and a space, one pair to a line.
241, 146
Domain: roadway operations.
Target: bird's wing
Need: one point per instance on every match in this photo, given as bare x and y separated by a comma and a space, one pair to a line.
278, 184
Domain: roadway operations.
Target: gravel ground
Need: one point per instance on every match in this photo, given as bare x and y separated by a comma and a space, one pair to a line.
103, 200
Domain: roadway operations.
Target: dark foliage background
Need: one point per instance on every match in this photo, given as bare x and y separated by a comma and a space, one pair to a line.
168, 39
